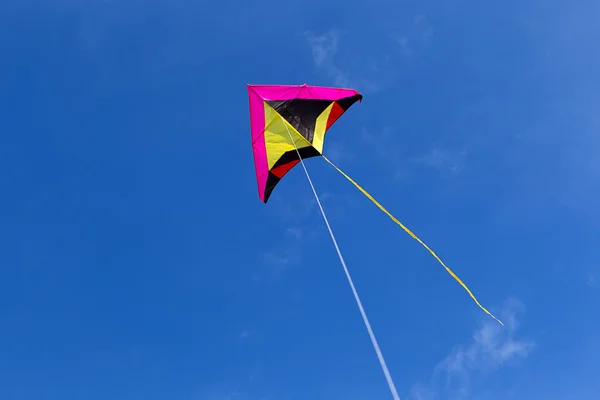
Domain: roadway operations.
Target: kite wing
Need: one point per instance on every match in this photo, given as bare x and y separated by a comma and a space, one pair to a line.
279, 114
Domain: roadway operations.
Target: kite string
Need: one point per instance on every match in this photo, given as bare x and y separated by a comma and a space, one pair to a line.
382, 362
414, 237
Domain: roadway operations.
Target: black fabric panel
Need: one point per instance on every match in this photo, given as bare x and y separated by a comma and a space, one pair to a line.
346, 102
289, 156
302, 114
272, 181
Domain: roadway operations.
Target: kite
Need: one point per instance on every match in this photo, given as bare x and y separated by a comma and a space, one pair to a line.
288, 124
307, 111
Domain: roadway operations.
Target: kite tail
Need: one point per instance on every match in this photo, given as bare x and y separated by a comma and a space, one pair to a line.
414, 237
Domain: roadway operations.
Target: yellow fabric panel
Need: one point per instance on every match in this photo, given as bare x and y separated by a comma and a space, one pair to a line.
277, 138
320, 126
414, 237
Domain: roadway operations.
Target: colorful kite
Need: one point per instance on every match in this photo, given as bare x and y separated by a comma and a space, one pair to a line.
307, 112
288, 125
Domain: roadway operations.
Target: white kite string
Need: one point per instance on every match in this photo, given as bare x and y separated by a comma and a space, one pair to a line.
386, 372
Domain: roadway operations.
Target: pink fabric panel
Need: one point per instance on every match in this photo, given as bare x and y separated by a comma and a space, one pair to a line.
273, 92
257, 126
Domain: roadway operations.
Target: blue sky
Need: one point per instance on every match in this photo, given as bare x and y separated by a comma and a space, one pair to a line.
137, 262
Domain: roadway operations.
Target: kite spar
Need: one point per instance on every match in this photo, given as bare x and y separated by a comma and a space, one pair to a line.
288, 125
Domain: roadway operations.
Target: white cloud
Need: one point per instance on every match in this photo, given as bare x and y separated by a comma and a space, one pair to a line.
384, 143
492, 346
424, 29
362, 68
389, 147
220, 391
293, 208
285, 254
591, 281
275, 259
245, 334
445, 160
295, 232
367, 72
418, 35
337, 151
403, 42
324, 49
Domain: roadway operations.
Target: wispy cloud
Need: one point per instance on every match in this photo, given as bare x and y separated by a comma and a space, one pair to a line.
368, 73
558, 168
297, 233
243, 388
338, 152
245, 334
491, 347
447, 157
284, 255
385, 144
220, 391
423, 29
226, 391
293, 207
413, 38
591, 281
371, 68
293, 211
446, 160
403, 42
390, 148
324, 50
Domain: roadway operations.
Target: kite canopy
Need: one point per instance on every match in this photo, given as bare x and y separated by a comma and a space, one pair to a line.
301, 112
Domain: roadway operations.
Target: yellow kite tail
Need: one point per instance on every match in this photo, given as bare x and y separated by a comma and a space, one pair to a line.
413, 236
